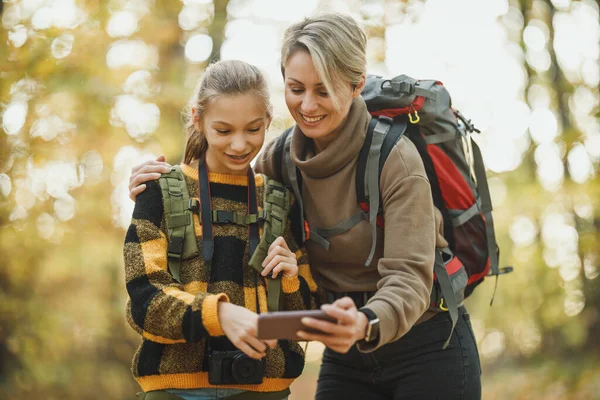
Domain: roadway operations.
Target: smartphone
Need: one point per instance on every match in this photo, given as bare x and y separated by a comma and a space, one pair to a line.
285, 324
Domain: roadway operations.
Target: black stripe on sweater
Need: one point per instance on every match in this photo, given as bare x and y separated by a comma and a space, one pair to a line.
141, 292
150, 356
229, 192
193, 329
294, 362
304, 291
132, 236
228, 260
296, 222
149, 204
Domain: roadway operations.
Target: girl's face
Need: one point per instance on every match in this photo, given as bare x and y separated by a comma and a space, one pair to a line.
234, 127
310, 104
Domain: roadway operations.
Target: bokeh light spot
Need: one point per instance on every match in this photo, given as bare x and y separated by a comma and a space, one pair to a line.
17, 36
5, 185
62, 45
13, 117
198, 48
122, 24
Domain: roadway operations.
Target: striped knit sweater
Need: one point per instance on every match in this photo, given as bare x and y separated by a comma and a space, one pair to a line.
175, 319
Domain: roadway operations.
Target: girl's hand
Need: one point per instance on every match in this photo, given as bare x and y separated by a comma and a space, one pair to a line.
240, 327
280, 259
340, 337
144, 172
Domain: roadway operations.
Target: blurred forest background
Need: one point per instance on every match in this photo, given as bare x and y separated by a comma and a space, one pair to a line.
90, 88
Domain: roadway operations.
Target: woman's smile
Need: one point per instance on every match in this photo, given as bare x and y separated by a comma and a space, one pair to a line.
312, 120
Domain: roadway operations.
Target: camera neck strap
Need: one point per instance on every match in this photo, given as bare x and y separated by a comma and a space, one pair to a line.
206, 212
207, 221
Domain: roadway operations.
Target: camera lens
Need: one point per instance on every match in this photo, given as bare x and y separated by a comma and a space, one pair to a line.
246, 369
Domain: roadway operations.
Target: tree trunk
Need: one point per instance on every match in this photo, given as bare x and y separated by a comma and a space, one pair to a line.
217, 29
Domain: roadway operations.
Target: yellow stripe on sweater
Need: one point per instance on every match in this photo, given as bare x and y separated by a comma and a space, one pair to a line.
304, 271
186, 297
195, 287
210, 317
290, 285
160, 339
262, 298
200, 380
155, 254
227, 179
250, 298
197, 226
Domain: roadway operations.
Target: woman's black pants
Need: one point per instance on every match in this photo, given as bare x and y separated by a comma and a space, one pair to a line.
413, 367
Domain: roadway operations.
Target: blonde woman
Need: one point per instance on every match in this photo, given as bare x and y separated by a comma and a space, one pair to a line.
387, 345
199, 327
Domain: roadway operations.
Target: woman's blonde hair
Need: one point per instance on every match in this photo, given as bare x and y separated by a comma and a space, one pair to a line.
337, 46
231, 77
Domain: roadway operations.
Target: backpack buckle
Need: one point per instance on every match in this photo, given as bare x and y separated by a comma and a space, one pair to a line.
386, 85
193, 205
224, 217
386, 119
261, 216
175, 248
403, 87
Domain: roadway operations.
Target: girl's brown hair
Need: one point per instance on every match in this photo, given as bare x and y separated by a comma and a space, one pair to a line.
231, 77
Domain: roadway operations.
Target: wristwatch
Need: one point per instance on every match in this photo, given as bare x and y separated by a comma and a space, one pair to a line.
372, 325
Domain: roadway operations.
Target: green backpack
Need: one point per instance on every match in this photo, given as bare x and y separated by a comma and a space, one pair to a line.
182, 245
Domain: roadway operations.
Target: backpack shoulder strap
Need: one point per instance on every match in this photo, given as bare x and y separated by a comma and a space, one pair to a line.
382, 135
280, 149
179, 220
290, 176
276, 207
396, 132
361, 167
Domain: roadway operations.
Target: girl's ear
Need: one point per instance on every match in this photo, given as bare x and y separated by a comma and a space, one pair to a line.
268, 124
196, 120
359, 87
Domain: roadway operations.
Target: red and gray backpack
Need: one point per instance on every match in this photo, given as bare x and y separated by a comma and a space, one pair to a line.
422, 111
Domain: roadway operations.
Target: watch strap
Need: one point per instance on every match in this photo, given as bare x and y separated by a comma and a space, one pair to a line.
373, 325
369, 313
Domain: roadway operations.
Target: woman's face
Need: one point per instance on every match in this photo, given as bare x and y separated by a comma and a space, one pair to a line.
234, 127
308, 100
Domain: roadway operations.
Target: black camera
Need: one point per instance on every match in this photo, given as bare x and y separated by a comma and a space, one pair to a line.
234, 367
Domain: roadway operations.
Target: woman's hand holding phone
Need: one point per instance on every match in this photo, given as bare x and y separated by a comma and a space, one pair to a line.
351, 326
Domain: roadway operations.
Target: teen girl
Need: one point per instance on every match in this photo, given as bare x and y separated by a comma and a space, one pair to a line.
199, 332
